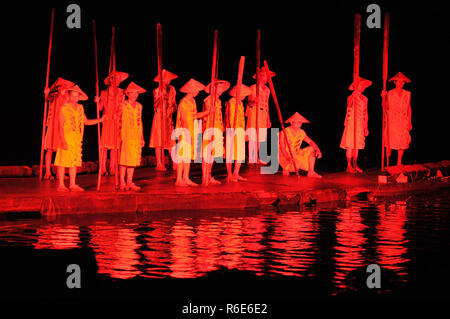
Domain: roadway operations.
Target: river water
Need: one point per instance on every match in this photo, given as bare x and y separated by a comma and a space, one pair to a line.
329, 243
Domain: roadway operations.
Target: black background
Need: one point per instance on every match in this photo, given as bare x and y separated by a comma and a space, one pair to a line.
308, 44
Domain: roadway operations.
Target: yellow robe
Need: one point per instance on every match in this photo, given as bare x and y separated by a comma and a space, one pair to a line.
156, 139
216, 141
263, 112
111, 110
301, 155
131, 135
348, 137
53, 136
72, 121
399, 119
186, 116
237, 152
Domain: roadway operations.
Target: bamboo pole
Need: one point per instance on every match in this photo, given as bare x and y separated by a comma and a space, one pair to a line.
356, 50
258, 80
161, 90
214, 70
44, 121
384, 126
280, 117
100, 148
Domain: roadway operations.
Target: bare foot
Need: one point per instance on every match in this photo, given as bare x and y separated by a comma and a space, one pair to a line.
314, 175
285, 172
180, 183
62, 188
76, 188
123, 187
351, 170
214, 181
133, 187
190, 183
358, 169
49, 177
231, 179
239, 178
161, 168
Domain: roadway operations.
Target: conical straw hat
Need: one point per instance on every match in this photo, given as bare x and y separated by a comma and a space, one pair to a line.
76, 88
296, 118
192, 86
133, 87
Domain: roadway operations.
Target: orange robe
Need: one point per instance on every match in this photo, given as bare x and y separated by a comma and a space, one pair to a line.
72, 121
186, 116
263, 112
300, 155
112, 114
54, 134
131, 135
156, 139
216, 141
399, 119
358, 102
238, 150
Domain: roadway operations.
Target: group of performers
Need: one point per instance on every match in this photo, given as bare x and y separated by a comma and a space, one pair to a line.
122, 130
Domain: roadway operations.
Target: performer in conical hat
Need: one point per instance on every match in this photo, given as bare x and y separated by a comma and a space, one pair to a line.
235, 119
305, 158
57, 96
398, 116
72, 121
356, 107
213, 127
132, 136
110, 101
262, 114
186, 116
158, 140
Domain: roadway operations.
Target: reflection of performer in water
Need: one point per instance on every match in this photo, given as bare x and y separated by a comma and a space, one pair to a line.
398, 116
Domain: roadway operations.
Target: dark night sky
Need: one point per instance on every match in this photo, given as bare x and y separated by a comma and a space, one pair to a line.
309, 46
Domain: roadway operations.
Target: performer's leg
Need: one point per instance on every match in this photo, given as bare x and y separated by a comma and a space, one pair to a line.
61, 186
130, 184
311, 163
122, 177
180, 172
212, 180
73, 175
349, 155
400, 156
48, 162
236, 175
229, 171
205, 177
104, 158
186, 175
252, 152
112, 161
355, 161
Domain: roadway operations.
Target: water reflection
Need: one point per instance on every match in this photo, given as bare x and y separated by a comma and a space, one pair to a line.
321, 242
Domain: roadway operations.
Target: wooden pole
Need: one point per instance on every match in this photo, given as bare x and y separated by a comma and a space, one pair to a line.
238, 87
44, 121
214, 70
100, 148
384, 126
116, 120
280, 117
356, 46
161, 90
258, 80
